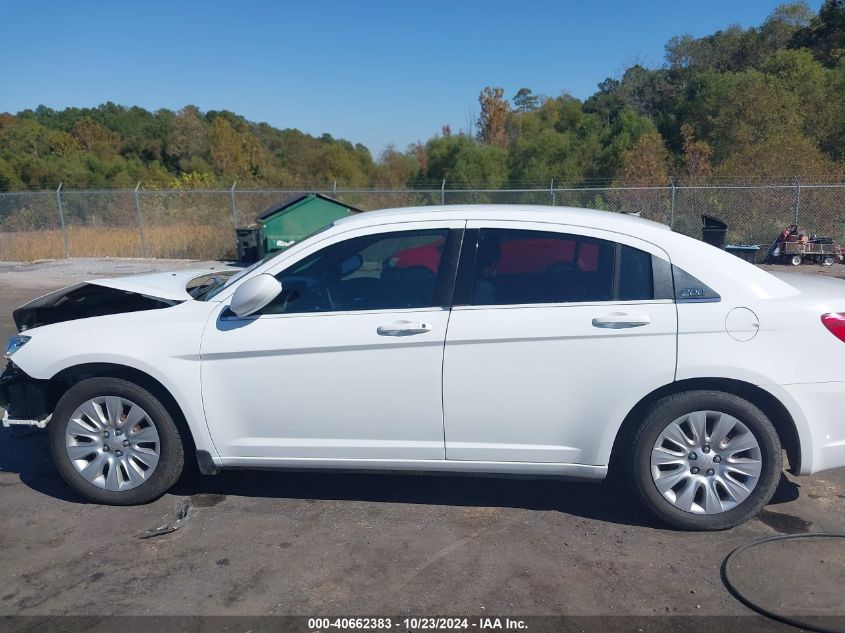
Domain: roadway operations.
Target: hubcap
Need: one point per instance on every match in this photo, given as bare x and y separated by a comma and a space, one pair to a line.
112, 443
706, 462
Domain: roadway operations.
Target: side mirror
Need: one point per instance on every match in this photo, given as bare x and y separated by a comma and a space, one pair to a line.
254, 294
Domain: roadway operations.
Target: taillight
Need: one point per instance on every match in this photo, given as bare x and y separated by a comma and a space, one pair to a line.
835, 322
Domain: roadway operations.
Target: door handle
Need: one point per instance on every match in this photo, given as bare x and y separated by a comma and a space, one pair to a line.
403, 328
618, 321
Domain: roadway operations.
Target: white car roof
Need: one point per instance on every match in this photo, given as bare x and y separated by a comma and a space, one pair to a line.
526, 213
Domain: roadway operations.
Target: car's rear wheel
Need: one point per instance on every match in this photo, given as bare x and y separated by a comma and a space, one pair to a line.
114, 442
705, 460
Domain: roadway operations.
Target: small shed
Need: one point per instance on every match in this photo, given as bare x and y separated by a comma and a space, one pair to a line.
284, 224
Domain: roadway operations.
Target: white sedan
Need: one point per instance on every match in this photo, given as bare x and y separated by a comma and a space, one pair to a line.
470, 339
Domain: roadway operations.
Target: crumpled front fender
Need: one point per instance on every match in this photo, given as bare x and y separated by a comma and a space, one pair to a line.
23, 397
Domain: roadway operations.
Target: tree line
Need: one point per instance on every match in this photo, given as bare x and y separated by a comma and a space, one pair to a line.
762, 102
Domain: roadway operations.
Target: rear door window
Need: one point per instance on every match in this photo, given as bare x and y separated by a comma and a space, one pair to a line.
636, 277
523, 267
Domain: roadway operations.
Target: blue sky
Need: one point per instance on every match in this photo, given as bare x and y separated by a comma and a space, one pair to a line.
369, 71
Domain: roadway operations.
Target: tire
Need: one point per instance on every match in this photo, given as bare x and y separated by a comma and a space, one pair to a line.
715, 489
796, 260
827, 261
121, 478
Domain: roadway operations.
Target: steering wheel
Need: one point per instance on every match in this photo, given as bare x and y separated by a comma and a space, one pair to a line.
322, 298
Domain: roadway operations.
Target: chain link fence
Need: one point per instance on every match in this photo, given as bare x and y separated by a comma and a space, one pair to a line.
197, 224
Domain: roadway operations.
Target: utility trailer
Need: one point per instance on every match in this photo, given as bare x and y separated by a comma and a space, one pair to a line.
795, 246
796, 253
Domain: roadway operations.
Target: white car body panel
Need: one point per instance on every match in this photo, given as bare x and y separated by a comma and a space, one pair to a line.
380, 396
170, 286
516, 389
539, 383
532, 469
793, 357
163, 344
819, 408
531, 383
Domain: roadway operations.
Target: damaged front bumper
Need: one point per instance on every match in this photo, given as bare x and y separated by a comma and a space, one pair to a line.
23, 398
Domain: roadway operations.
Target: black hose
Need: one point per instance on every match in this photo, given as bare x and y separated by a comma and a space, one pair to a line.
736, 593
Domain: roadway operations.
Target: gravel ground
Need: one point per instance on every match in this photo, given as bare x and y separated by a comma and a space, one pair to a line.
837, 270
258, 543
56, 273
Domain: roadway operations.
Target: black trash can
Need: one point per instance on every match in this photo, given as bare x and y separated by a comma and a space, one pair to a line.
713, 231
247, 245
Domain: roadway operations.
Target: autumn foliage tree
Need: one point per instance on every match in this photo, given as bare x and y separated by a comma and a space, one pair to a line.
95, 139
227, 152
696, 166
493, 119
646, 162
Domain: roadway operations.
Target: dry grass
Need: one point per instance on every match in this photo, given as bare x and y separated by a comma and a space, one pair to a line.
175, 241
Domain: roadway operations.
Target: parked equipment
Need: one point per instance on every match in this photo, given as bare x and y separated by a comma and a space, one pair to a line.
794, 246
796, 253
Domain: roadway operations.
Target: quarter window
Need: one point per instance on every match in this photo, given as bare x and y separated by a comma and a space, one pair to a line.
397, 270
689, 289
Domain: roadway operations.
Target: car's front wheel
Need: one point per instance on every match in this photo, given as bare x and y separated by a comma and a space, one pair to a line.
705, 460
114, 442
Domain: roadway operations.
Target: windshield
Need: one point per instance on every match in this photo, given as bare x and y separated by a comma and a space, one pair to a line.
222, 282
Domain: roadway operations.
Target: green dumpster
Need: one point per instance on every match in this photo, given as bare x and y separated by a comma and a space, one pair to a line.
284, 224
